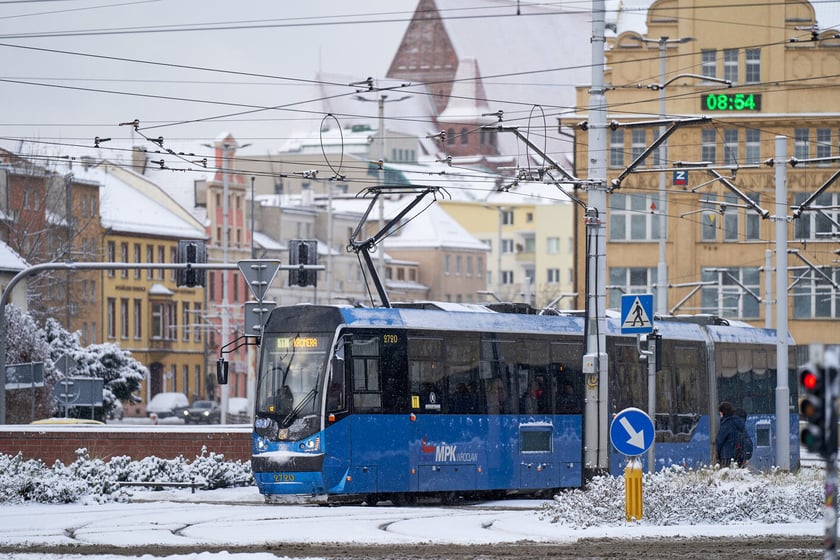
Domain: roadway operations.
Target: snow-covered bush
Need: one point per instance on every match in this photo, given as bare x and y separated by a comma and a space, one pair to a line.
89, 480
679, 496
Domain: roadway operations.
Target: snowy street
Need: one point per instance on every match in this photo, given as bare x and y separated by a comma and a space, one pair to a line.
179, 524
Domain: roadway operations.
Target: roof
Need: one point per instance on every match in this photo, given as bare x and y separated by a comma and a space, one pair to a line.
132, 203
10, 261
433, 228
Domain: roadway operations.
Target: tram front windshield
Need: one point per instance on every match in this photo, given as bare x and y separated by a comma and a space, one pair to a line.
290, 372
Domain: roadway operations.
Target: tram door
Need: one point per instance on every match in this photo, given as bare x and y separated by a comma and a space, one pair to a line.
379, 425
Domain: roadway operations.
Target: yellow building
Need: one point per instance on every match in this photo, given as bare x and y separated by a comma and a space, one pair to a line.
531, 241
720, 218
144, 310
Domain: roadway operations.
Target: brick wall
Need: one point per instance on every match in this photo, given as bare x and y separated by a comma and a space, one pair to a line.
51, 443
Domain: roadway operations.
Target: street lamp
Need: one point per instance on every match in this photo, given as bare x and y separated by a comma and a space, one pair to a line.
382, 157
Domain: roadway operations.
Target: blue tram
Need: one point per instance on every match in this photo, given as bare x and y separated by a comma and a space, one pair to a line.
447, 400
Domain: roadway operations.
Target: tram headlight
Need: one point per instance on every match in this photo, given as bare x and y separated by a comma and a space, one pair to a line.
266, 427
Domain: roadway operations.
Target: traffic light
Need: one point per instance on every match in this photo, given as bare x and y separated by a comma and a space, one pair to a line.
303, 252
191, 252
817, 409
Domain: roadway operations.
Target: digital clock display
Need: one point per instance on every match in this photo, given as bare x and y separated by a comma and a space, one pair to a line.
730, 102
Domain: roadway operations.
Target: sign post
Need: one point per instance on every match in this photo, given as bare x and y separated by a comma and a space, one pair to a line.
632, 433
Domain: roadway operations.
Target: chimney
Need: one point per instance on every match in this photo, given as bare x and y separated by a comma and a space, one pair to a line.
139, 160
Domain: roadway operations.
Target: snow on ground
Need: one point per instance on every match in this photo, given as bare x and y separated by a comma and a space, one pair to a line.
710, 502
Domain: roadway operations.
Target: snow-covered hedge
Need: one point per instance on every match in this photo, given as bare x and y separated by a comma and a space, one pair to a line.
97, 481
678, 496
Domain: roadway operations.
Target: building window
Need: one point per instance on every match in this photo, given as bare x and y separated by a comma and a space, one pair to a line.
709, 225
464, 138
617, 148
624, 280
124, 317
730, 65
138, 318
198, 322
450, 136
753, 221
732, 294
507, 277
823, 145
186, 320
708, 145
730, 218
818, 226
157, 320
507, 245
469, 265
112, 249
124, 258
161, 259
730, 146
752, 145
631, 218
150, 258
553, 275
137, 253
458, 264
800, 144
447, 264
479, 266
507, 217
552, 245
638, 143
753, 66
814, 297
112, 318
708, 63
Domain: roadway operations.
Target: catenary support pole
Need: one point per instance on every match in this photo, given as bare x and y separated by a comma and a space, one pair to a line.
782, 387
596, 415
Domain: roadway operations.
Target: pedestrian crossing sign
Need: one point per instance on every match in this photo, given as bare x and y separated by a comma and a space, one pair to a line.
636, 313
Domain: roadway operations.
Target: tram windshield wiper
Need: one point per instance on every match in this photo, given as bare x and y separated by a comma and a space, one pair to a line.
296, 410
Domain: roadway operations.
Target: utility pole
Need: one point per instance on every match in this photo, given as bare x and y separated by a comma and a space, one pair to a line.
782, 389
596, 415
382, 157
224, 390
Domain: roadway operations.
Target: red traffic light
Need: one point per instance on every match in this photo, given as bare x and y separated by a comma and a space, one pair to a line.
809, 380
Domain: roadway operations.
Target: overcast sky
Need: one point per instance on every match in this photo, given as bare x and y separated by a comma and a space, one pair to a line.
265, 52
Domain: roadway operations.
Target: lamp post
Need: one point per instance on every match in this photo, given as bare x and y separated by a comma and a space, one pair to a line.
381, 103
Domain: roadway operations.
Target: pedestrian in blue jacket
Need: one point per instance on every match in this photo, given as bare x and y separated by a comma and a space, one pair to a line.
730, 426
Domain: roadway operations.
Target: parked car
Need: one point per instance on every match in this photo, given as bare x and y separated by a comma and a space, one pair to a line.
164, 404
201, 412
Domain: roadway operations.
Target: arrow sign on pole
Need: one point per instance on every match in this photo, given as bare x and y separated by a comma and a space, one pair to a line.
632, 432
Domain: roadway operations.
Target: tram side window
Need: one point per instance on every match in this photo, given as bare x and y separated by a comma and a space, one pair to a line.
426, 375
681, 391
534, 382
336, 391
745, 379
462, 374
367, 390
566, 360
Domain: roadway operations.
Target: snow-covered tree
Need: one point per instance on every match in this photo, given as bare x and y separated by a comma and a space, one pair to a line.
121, 372
26, 342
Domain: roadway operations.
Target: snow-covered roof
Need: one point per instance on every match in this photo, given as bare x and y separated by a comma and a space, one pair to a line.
433, 227
10, 261
133, 203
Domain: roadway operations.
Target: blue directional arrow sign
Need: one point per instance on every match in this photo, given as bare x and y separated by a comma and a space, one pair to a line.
636, 313
632, 431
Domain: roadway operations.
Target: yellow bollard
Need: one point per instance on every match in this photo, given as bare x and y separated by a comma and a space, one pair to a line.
633, 489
